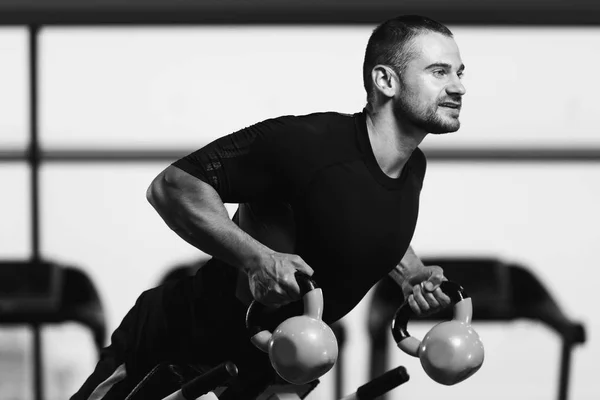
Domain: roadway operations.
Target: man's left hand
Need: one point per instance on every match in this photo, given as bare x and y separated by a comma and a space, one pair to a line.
422, 291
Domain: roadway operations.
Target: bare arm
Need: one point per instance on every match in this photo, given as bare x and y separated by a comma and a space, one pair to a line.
407, 267
195, 211
420, 284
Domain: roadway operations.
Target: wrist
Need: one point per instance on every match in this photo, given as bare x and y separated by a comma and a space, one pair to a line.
256, 258
407, 270
407, 274
410, 264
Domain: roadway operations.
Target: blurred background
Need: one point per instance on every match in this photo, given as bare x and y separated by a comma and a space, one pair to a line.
97, 98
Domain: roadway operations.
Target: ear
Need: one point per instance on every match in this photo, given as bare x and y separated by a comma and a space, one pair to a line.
385, 80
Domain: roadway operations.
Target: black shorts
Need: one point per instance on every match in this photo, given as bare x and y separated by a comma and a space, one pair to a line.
193, 321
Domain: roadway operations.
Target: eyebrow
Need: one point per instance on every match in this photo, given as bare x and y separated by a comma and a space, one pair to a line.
444, 65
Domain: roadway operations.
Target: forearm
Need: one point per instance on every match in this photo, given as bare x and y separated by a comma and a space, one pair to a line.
407, 267
420, 284
194, 210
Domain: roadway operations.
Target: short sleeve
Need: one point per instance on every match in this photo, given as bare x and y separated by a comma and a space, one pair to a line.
247, 165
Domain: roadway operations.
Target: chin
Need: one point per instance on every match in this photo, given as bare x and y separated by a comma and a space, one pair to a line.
441, 128
446, 130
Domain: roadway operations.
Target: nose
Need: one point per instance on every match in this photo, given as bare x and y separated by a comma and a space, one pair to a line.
456, 87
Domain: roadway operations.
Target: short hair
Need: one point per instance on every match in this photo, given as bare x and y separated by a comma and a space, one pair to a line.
390, 44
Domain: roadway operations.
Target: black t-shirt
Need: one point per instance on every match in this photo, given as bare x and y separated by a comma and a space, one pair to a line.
354, 223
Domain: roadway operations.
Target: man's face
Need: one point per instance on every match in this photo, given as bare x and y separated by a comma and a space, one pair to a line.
430, 87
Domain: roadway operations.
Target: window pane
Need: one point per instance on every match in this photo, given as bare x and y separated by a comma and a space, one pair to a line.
544, 216
173, 87
14, 112
527, 87
97, 218
15, 211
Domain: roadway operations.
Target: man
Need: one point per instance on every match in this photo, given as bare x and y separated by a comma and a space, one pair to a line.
332, 195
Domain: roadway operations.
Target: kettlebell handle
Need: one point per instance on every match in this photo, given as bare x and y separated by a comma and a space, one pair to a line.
306, 285
404, 312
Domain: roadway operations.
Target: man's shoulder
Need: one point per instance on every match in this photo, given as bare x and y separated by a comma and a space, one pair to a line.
314, 140
322, 128
318, 121
301, 130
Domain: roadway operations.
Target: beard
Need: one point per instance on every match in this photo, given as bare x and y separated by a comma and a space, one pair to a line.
426, 119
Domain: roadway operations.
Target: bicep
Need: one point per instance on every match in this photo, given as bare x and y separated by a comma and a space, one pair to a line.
174, 184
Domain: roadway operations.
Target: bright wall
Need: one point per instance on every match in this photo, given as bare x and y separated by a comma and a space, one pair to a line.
173, 88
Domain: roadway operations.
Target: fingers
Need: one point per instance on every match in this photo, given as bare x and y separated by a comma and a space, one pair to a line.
275, 285
436, 277
413, 305
424, 302
282, 291
442, 298
424, 299
275, 299
301, 266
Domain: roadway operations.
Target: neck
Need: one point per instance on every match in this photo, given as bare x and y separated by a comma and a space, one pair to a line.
392, 140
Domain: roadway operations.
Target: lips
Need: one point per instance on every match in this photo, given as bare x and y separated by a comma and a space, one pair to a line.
451, 105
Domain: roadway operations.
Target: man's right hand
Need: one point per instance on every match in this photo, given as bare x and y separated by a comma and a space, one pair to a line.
273, 283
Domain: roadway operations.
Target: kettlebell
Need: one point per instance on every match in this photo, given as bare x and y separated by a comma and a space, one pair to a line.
451, 351
302, 348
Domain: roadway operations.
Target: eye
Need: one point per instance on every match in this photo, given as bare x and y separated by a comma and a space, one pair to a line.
460, 75
439, 72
